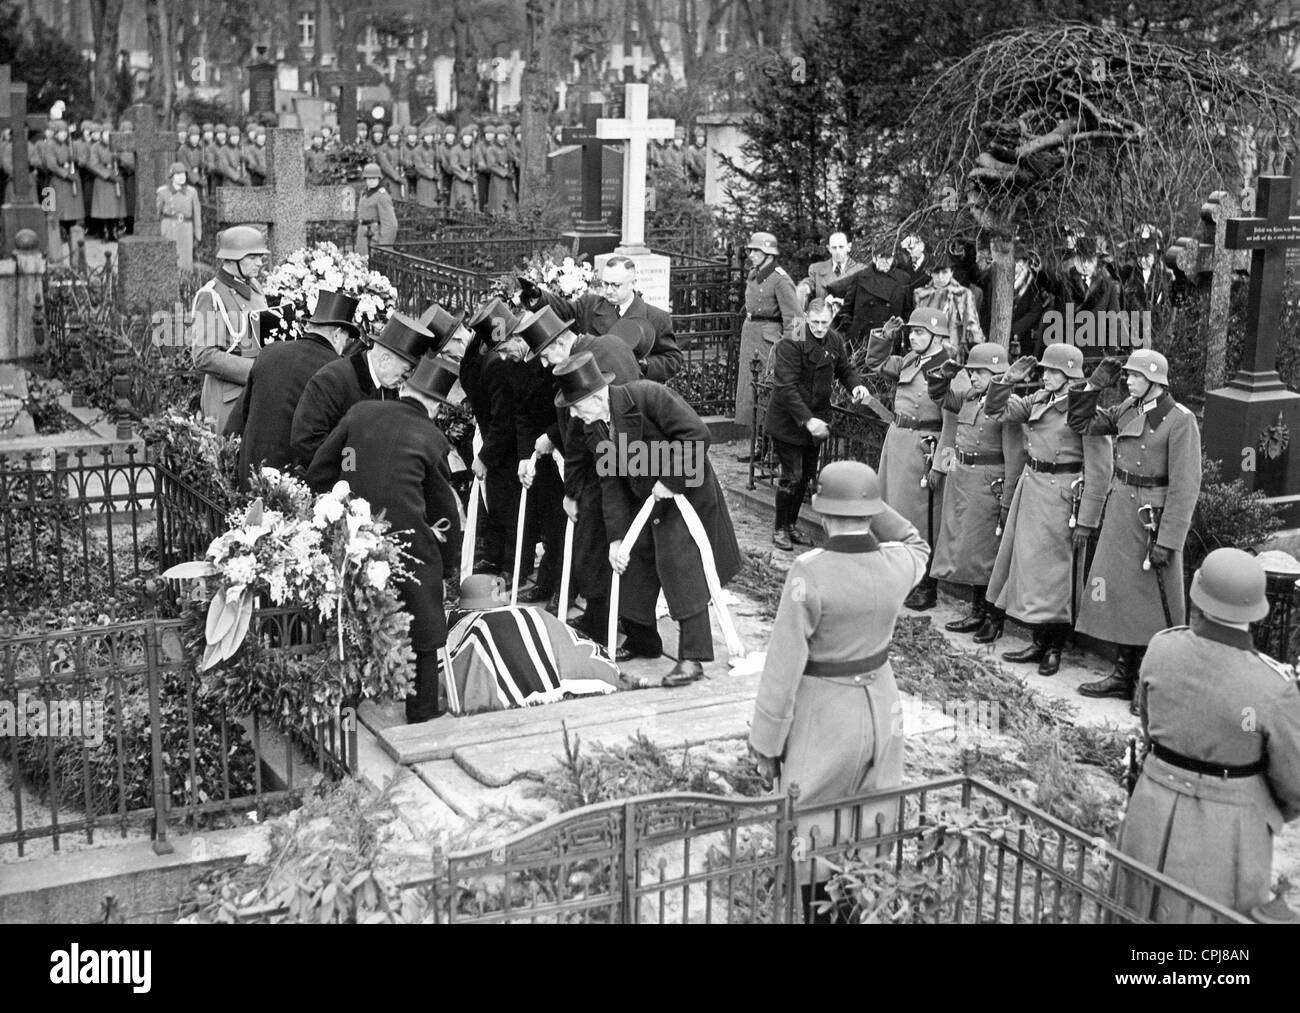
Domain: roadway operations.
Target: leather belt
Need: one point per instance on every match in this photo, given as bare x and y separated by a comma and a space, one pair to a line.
1053, 468
1195, 766
928, 425
1142, 481
763, 320
965, 457
839, 669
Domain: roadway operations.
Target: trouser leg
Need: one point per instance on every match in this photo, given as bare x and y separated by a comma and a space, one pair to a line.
423, 704
696, 638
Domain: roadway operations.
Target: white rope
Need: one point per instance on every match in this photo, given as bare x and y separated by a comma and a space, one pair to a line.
735, 646
519, 545
563, 611
471, 531
629, 539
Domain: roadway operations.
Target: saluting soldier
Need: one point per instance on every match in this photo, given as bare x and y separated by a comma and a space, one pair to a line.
1153, 493
912, 438
376, 219
772, 307
1222, 772
978, 486
180, 216
1066, 476
828, 715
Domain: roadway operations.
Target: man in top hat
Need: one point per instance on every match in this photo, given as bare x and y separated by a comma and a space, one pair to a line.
614, 298
179, 215
772, 307
871, 296
911, 442
828, 715
427, 172
1153, 493
397, 460
463, 170
490, 324
376, 219
369, 374
823, 272
226, 319
914, 271
191, 156
647, 442
1221, 776
278, 378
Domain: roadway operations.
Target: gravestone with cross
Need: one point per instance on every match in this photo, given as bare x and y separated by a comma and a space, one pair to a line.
286, 203
148, 268
591, 233
1209, 260
346, 78
22, 212
1250, 422
637, 130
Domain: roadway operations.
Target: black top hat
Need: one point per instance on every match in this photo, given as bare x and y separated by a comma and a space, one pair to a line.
539, 328
337, 309
492, 322
1086, 248
579, 377
434, 376
638, 332
442, 323
404, 337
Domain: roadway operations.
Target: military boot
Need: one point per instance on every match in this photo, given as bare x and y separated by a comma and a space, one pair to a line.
1122, 680
1033, 653
992, 628
974, 617
1053, 641
924, 596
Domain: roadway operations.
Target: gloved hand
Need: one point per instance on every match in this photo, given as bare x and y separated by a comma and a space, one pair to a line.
935, 478
1160, 556
819, 429
1021, 368
1080, 537
529, 292
1106, 373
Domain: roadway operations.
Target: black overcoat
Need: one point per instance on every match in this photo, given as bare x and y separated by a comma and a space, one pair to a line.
335, 388
803, 376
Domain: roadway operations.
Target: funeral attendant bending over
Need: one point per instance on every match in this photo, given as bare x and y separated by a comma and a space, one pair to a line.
611, 299
397, 460
1056, 508
264, 418
372, 374
1221, 774
1153, 492
805, 368
828, 715
647, 442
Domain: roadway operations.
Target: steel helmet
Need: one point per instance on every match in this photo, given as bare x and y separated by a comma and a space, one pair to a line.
240, 241
764, 241
848, 489
929, 319
987, 355
371, 171
1230, 585
1151, 364
176, 167
1065, 358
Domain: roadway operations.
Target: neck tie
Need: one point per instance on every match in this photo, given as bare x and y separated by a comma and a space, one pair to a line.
837, 270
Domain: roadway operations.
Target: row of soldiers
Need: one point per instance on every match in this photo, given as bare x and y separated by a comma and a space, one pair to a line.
215, 154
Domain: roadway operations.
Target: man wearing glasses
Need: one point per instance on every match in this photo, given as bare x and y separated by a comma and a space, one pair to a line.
612, 299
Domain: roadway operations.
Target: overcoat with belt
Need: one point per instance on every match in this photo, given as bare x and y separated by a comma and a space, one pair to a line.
1031, 576
1206, 694
399, 464
827, 702
180, 217
772, 308
375, 213
650, 414
225, 341
108, 198
1157, 463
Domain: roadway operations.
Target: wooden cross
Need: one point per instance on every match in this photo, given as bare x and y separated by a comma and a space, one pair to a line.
148, 144
1268, 236
593, 147
286, 203
637, 130
345, 80
13, 114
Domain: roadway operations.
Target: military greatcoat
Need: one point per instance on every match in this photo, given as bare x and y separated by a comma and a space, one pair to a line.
1157, 463
1206, 694
225, 341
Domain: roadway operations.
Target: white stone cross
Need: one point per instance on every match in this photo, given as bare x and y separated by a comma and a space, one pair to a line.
636, 129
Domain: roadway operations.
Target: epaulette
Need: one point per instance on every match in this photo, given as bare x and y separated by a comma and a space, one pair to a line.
1171, 629
1280, 667
1184, 409
781, 270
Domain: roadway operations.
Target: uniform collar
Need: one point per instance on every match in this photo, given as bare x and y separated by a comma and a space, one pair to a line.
862, 542
1204, 626
760, 274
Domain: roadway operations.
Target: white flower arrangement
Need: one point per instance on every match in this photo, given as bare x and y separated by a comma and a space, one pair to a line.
324, 266
560, 274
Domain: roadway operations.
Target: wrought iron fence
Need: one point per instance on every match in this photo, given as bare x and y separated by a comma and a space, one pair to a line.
707, 300
114, 730
690, 858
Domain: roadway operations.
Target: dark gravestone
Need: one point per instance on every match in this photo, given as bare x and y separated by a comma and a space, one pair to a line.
261, 89
592, 233
346, 79
1250, 424
22, 212
149, 274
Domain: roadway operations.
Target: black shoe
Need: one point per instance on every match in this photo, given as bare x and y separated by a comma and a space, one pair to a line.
1051, 660
924, 596
991, 629
972, 620
797, 536
683, 673
532, 595
415, 716
1031, 654
781, 539
1114, 685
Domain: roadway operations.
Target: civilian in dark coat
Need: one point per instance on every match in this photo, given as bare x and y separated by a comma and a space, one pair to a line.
871, 296
804, 370
642, 420
399, 464
594, 313
1091, 289
496, 466
264, 418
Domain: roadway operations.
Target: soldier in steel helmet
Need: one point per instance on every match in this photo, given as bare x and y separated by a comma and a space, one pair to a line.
827, 715
908, 453
376, 219
179, 215
225, 333
772, 308
978, 461
1221, 722
1153, 492
1055, 509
